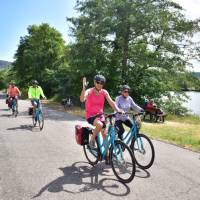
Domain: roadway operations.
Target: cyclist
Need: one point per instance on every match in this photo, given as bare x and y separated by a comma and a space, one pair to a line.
34, 93
13, 92
7, 99
95, 98
125, 102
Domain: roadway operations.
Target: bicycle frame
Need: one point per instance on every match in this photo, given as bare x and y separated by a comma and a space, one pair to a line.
107, 141
132, 133
37, 112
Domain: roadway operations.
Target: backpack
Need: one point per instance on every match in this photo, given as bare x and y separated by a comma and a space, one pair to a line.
82, 134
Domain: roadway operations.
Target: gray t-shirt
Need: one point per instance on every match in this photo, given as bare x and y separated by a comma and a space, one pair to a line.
125, 104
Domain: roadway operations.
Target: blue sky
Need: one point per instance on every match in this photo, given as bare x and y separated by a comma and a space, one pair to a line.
17, 15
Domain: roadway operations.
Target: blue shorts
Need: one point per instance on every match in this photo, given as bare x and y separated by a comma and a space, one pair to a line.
35, 102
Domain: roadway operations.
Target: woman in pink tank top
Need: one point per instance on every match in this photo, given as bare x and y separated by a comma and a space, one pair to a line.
95, 98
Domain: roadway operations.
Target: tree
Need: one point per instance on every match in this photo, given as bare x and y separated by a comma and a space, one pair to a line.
39, 55
144, 43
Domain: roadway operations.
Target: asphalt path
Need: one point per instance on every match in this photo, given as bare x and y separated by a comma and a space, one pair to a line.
49, 165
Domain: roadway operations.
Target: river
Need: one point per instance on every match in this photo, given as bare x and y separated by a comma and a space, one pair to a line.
193, 103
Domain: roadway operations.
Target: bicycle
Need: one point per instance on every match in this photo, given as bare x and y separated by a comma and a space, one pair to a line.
13, 105
140, 144
120, 155
67, 103
38, 116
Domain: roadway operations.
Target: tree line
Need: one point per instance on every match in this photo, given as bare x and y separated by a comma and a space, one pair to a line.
146, 44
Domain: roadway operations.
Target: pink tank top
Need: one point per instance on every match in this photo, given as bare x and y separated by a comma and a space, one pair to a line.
94, 104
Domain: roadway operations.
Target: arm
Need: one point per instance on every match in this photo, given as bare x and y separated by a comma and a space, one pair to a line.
18, 91
84, 92
42, 93
29, 93
8, 91
112, 104
135, 107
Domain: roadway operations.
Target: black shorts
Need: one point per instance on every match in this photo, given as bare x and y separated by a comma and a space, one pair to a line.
90, 120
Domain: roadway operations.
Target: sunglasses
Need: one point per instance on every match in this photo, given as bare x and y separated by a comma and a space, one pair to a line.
125, 91
98, 82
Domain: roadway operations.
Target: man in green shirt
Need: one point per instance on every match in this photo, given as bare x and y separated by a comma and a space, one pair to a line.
34, 93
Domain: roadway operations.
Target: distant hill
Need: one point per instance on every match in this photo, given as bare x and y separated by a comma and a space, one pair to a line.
197, 74
4, 64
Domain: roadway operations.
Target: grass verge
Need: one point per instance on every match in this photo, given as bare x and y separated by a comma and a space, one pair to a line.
183, 134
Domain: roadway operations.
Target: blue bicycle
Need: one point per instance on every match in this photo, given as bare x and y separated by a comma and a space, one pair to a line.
38, 117
140, 144
120, 155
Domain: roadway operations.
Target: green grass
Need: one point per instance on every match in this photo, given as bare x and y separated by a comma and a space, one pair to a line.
183, 134
194, 119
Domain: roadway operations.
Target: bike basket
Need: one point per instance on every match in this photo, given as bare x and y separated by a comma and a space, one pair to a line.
82, 134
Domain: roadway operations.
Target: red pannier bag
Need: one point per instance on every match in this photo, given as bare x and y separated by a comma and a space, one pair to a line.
82, 134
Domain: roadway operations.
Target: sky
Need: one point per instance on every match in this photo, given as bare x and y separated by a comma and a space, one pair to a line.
17, 15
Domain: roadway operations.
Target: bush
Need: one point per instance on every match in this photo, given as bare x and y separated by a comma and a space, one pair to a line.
173, 104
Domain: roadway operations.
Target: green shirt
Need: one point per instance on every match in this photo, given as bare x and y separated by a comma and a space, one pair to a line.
35, 92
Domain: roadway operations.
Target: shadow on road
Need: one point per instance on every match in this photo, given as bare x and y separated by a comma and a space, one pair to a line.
82, 177
59, 115
142, 173
21, 127
6, 115
4, 109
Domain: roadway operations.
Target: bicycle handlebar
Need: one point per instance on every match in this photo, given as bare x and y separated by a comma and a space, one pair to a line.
110, 115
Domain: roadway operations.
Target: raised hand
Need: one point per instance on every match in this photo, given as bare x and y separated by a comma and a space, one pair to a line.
85, 83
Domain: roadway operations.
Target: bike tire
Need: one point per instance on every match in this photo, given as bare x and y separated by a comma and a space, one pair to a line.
122, 147
88, 152
41, 120
143, 137
33, 120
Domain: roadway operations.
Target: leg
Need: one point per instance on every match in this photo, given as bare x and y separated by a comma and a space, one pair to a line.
120, 129
128, 123
34, 104
17, 104
98, 127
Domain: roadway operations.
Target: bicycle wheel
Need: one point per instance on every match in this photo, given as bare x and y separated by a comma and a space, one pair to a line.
34, 119
92, 155
143, 151
122, 162
41, 120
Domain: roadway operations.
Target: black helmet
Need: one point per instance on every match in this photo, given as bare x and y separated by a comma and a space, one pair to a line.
34, 82
100, 78
125, 87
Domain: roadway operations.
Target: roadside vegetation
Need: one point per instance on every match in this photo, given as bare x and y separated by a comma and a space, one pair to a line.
184, 133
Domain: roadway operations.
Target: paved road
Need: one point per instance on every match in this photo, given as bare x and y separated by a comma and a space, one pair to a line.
48, 165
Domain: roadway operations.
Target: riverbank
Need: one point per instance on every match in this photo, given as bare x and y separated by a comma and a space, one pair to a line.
182, 131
